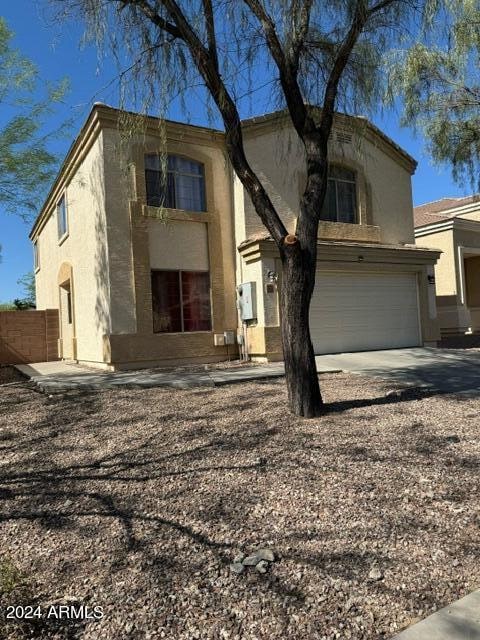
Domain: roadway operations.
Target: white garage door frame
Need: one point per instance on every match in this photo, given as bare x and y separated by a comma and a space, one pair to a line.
360, 274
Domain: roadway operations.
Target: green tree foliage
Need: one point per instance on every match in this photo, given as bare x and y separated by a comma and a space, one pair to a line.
27, 281
27, 165
439, 81
23, 305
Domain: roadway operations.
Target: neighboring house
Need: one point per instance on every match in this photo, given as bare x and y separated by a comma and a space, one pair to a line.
141, 285
453, 226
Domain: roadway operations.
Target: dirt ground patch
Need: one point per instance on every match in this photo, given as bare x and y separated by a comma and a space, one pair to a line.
138, 500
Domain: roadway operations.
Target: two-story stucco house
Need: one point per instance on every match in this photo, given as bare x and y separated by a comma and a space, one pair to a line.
139, 285
452, 225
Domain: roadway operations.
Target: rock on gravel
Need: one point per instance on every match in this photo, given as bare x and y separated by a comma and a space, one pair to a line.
262, 566
260, 555
237, 567
394, 393
375, 574
251, 561
265, 554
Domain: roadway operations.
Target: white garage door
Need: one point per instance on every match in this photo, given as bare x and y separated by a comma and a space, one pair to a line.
362, 312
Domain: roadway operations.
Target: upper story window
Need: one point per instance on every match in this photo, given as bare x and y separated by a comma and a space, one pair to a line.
36, 256
184, 187
340, 203
62, 221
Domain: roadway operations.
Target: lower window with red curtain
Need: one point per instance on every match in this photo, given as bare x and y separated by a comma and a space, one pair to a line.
196, 301
181, 301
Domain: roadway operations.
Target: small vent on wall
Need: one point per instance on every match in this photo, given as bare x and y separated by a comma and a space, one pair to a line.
343, 137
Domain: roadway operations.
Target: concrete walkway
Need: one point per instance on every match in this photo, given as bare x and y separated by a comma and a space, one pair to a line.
458, 621
60, 376
55, 368
443, 370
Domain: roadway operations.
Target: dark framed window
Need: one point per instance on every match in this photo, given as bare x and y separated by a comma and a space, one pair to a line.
36, 255
340, 203
69, 306
182, 188
181, 301
62, 221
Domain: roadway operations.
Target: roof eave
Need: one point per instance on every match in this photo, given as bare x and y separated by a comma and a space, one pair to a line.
452, 223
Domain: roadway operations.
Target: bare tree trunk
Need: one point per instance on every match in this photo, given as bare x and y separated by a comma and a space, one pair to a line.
298, 279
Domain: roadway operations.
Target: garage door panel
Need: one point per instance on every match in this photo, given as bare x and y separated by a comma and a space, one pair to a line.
361, 312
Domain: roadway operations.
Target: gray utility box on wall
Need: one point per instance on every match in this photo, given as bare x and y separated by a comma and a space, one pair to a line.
229, 337
247, 301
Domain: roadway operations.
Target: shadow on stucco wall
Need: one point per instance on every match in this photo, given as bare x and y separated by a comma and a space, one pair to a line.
101, 273
88, 254
101, 266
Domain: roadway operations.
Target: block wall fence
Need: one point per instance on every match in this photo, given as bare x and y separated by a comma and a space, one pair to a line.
28, 336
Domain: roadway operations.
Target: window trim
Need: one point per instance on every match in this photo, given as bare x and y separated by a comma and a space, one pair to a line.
180, 292
174, 172
355, 184
65, 235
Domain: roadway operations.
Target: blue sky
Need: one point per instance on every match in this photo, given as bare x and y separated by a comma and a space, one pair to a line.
56, 50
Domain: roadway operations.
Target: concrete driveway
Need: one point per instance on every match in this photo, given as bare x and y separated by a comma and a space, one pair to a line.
446, 370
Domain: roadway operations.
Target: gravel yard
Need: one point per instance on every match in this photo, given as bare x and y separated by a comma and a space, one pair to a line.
9, 375
138, 501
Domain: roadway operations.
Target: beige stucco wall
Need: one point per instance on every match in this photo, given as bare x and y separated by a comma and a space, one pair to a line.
445, 269
119, 190
178, 244
467, 248
84, 250
384, 193
115, 240
141, 238
452, 279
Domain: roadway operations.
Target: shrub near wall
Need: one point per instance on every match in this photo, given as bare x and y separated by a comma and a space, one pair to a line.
28, 336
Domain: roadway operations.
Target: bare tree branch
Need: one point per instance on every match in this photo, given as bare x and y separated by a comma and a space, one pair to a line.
287, 70
379, 6
271, 35
300, 35
359, 20
210, 27
209, 71
157, 20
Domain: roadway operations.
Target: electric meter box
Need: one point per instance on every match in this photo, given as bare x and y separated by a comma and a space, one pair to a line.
247, 301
